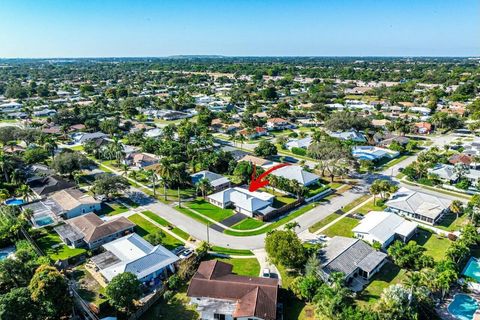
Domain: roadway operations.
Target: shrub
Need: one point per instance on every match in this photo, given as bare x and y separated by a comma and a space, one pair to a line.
452, 237
299, 151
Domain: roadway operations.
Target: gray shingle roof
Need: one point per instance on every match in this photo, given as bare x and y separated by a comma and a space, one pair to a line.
346, 255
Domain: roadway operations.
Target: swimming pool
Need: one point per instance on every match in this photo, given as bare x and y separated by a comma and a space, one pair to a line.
463, 307
42, 221
6, 252
472, 269
14, 202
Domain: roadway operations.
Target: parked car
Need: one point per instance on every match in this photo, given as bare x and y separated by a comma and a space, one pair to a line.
178, 250
266, 273
186, 254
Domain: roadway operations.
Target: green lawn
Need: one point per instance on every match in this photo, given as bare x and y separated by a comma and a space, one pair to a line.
435, 245
209, 210
52, 246
371, 207
243, 267
451, 223
282, 200
342, 228
320, 224
355, 203
112, 209
275, 224
145, 227
229, 251
315, 189
247, 224
179, 232
388, 275
192, 214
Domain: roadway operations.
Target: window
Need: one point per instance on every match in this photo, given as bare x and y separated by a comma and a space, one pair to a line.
218, 316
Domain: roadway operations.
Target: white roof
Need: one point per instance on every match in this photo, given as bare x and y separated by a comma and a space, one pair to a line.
418, 202
244, 199
383, 225
299, 143
296, 173
137, 256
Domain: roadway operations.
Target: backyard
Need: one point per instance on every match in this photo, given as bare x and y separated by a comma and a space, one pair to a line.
388, 275
55, 249
435, 245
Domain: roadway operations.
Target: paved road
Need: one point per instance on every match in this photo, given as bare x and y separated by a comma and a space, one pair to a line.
199, 231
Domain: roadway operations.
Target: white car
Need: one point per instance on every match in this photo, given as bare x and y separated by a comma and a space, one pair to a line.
266, 273
186, 254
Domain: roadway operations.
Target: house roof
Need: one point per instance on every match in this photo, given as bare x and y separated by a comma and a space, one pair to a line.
276, 120
93, 228
419, 203
71, 198
346, 255
136, 255
254, 296
46, 185
256, 160
383, 225
215, 179
460, 158
296, 173
244, 199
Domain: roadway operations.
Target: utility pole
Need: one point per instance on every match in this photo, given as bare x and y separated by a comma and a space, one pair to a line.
208, 233
179, 198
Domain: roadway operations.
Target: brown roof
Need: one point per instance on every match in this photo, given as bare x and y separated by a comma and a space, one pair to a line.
255, 297
71, 198
276, 120
460, 158
95, 228
255, 160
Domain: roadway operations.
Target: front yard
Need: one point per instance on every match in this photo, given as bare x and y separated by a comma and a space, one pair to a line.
315, 189
209, 210
342, 228
247, 224
451, 223
112, 208
242, 266
145, 227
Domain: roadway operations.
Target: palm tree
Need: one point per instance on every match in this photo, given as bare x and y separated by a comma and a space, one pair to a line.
125, 168
412, 282
375, 189
25, 192
6, 165
50, 146
456, 207
4, 195
241, 138
204, 186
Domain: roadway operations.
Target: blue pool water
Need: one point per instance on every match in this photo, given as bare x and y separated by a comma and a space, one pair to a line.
43, 221
14, 202
3, 255
463, 307
472, 269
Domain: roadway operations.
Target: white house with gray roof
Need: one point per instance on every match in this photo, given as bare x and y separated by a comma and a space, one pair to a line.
384, 227
293, 172
418, 205
244, 201
134, 254
352, 257
217, 181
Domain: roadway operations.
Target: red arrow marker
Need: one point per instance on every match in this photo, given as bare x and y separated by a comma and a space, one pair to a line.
259, 182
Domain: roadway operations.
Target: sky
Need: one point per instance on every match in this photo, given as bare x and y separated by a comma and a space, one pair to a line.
139, 28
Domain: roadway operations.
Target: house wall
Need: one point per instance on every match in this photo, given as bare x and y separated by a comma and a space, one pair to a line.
416, 216
82, 209
99, 242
